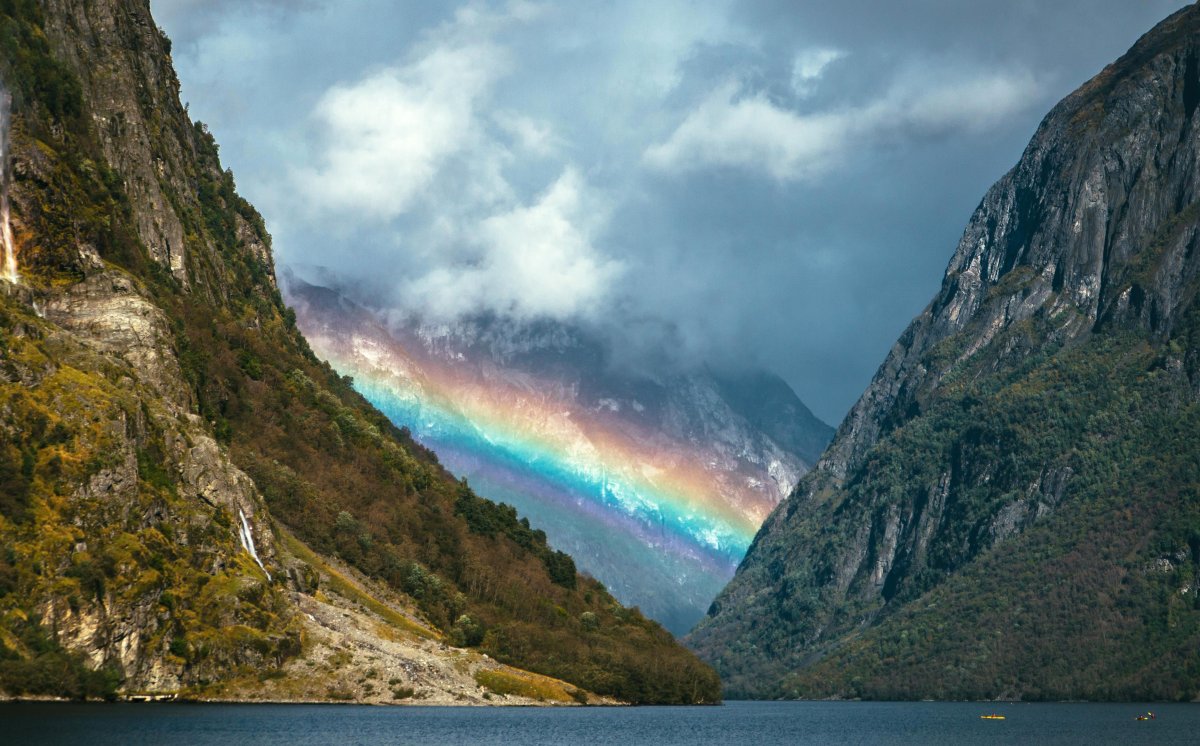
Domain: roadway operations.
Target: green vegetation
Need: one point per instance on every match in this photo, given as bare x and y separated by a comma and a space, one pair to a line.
349, 589
1066, 560
47, 670
332, 469
1099, 599
403, 692
77, 549
487, 518
75, 197
523, 685
31, 71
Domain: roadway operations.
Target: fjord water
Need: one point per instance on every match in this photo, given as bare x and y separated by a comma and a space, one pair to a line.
734, 724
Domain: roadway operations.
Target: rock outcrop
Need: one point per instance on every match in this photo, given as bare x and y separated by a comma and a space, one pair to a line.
1017, 421
162, 419
130, 90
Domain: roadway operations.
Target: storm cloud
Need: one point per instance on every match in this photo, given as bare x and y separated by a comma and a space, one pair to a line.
764, 182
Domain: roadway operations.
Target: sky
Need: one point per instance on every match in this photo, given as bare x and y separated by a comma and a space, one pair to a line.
765, 183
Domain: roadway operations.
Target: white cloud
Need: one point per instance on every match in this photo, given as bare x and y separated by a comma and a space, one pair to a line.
387, 135
531, 261
533, 136
608, 81
191, 20
809, 66
422, 150
733, 129
749, 132
969, 104
525, 11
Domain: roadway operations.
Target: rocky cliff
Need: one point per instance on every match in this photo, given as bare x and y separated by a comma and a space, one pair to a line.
1010, 510
189, 500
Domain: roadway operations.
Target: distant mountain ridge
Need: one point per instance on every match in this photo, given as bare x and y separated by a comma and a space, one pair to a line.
1012, 509
654, 485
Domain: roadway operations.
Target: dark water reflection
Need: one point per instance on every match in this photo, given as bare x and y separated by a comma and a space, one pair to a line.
735, 724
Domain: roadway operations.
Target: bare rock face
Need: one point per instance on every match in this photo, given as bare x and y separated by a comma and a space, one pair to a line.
1085, 251
107, 311
139, 515
146, 359
146, 430
132, 92
1110, 169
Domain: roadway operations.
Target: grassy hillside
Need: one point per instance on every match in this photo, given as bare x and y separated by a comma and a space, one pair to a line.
329, 466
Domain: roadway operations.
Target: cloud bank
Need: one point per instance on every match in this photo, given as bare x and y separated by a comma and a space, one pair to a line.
760, 182
531, 262
739, 128
386, 137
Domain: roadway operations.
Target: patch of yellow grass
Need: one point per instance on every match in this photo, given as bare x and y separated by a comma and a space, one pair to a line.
523, 684
349, 589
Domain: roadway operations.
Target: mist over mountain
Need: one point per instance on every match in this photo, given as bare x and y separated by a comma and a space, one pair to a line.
724, 182
655, 483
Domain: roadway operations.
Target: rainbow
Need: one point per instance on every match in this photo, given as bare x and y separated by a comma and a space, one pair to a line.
646, 515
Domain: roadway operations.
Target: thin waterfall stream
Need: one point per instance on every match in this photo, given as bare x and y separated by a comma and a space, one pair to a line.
8, 267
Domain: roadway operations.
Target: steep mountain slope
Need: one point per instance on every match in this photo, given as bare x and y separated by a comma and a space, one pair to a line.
1012, 509
655, 486
162, 420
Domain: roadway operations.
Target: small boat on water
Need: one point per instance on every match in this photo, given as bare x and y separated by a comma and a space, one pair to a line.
993, 716
1146, 716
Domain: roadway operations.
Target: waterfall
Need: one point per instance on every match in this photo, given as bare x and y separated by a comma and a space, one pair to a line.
248, 541
8, 268
6, 235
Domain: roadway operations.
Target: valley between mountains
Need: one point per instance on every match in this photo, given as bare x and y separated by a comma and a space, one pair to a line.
655, 484
220, 483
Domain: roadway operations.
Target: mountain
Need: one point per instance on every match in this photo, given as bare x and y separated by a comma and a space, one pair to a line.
655, 484
191, 502
1012, 509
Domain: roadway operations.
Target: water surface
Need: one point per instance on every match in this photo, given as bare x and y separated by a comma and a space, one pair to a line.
734, 724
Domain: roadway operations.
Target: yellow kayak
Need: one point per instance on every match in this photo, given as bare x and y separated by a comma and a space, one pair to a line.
993, 716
